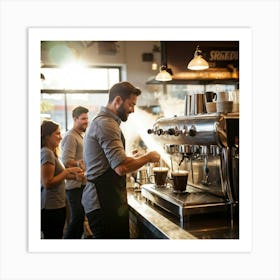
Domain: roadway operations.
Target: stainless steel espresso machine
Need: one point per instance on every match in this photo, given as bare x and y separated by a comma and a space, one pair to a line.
207, 145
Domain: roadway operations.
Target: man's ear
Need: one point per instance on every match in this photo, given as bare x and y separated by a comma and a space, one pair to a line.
118, 100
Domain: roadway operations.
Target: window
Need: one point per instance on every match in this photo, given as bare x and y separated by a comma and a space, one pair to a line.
64, 89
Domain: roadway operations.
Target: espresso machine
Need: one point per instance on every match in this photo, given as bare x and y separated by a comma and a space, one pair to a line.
207, 145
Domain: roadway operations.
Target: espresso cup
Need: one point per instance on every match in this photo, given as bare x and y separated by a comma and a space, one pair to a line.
160, 175
180, 180
224, 107
209, 96
211, 107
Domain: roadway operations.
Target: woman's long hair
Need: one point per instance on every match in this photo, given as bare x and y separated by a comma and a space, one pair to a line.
47, 129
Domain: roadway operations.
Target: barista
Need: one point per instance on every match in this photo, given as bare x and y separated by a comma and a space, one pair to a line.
104, 197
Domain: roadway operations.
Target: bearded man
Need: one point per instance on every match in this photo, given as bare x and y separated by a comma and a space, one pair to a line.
105, 197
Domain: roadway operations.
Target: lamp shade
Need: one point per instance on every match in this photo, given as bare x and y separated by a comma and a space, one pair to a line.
198, 62
163, 76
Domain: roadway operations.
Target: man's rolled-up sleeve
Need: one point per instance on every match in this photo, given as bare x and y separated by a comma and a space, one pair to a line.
110, 140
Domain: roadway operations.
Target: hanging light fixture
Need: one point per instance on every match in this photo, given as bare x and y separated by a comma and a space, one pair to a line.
198, 62
165, 73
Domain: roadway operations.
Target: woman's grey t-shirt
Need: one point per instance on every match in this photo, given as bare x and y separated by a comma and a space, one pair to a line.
54, 197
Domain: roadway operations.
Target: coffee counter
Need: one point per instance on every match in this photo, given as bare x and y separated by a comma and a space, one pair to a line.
153, 223
149, 221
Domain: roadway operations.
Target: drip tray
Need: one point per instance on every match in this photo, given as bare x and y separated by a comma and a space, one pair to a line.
182, 205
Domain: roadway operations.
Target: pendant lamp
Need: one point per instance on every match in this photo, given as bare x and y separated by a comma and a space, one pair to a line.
165, 73
198, 62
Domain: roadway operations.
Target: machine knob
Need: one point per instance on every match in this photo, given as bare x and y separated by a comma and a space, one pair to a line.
184, 131
159, 132
192, 131
171, 131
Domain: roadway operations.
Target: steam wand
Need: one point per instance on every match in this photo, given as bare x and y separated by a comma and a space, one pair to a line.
172, 163
183, 157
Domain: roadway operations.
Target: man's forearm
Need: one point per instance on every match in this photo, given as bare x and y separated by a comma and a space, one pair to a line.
131, 164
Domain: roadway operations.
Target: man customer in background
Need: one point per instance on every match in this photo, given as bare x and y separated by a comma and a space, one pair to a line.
105, 196
72, 155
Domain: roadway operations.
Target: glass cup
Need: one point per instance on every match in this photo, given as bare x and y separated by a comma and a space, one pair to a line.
160, 175
180, 180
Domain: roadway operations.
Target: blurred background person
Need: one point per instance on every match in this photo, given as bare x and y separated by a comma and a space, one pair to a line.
72, 156
53, 175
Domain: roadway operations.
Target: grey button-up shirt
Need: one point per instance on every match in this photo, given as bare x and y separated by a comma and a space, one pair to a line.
72, 148
103, 149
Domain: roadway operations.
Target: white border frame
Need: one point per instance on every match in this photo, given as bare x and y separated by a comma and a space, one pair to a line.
243, 35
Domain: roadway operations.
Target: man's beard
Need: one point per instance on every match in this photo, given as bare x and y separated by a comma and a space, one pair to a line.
82, 128
121, 113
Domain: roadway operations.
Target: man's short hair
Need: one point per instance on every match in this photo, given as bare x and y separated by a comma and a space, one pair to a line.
78, 111
124, 90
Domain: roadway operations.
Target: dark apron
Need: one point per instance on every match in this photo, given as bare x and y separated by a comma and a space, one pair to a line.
112, 195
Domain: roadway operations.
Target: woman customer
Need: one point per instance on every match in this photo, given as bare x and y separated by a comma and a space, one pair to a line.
53, 175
